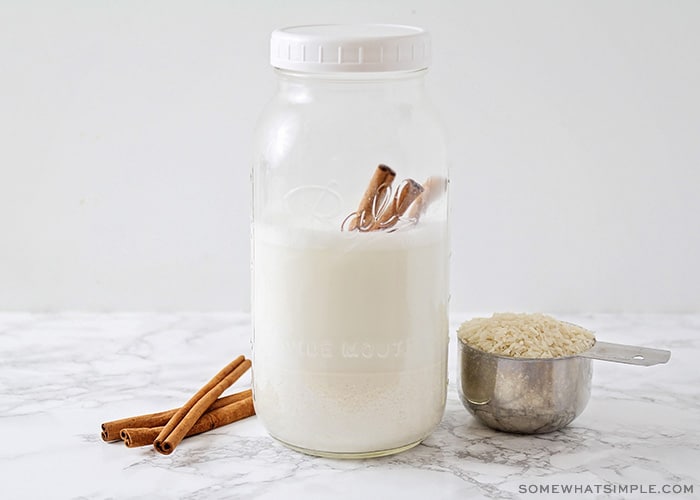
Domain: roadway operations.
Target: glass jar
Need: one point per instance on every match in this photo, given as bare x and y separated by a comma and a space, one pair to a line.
350, 244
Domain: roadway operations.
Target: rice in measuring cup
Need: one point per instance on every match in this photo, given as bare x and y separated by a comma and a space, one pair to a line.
525, 336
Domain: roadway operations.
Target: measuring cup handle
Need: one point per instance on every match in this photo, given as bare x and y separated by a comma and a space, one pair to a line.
629, 354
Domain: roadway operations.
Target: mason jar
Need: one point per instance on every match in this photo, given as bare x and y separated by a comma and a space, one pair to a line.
350, 248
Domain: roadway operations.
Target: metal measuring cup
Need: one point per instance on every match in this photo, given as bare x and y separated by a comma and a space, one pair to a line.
537, 395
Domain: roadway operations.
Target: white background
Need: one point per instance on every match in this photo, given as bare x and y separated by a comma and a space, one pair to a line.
125, 132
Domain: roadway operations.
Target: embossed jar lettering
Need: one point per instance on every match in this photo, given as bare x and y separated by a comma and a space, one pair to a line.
369, 350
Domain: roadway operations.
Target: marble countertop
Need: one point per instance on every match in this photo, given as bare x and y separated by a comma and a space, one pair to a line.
61, 375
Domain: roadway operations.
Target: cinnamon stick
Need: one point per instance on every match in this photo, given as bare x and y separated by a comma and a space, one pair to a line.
381, 180
212, 419
183, 420
111, 430
433, 188
408, 191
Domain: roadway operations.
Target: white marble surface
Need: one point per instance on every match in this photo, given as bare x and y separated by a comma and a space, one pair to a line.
61, 375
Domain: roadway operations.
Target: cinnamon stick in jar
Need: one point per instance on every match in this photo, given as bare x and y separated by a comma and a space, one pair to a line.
373, 198
407, 193
433, 188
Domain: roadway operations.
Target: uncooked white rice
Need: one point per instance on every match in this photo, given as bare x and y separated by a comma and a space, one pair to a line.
525, 336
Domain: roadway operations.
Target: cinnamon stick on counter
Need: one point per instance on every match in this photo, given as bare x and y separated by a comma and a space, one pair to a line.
111, 431
185, 418
381, 181
212, 419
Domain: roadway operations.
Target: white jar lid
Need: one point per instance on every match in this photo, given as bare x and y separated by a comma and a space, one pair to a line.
337, 48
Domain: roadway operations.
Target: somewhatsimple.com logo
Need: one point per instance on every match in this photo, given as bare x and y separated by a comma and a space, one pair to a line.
607, 489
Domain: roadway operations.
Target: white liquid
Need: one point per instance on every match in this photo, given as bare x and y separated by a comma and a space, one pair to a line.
350, 336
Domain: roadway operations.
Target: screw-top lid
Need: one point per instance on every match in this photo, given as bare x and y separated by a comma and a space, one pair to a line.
337, 48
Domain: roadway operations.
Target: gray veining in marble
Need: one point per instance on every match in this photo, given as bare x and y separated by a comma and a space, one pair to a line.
61, 375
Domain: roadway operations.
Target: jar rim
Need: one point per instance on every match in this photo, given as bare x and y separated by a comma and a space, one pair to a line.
350, 77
